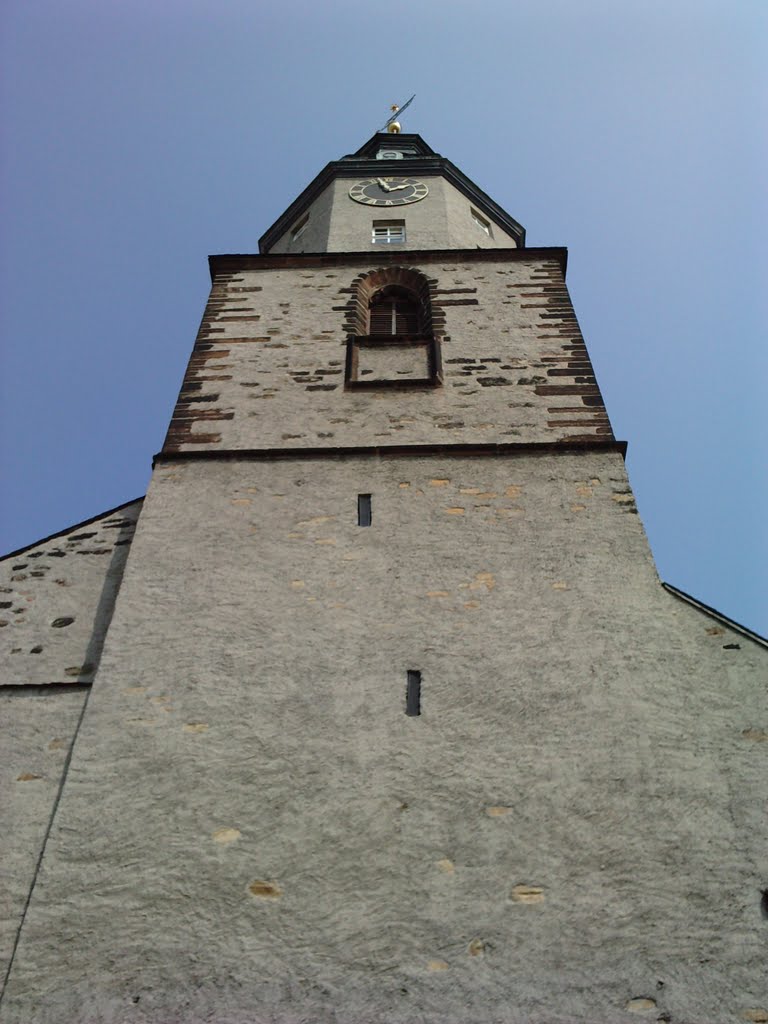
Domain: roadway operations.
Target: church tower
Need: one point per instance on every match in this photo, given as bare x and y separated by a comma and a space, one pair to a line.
394, 720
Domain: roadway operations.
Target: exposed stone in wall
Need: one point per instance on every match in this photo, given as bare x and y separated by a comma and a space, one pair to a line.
515, 368
56, 600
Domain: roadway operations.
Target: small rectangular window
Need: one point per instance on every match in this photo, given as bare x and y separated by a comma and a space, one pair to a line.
413, 694
298, 229
388, 232
482, 223
364, 510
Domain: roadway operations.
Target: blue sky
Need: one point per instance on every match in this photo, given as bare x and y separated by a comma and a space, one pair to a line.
140, 137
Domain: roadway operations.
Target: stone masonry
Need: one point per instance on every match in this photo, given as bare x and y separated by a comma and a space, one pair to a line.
267, 370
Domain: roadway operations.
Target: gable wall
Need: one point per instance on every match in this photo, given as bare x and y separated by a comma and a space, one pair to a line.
57, 598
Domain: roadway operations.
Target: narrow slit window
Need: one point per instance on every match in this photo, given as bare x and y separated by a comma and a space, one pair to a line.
364, 510
413, 693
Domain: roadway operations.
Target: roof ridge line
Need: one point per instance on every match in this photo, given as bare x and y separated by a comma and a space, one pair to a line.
68, 529
713, 613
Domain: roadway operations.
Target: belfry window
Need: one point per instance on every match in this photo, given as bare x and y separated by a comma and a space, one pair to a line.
388, 232
393, 310
391, 339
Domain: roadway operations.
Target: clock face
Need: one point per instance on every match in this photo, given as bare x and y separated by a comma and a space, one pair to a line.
388, 191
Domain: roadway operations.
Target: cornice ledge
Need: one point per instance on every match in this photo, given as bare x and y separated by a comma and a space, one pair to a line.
225, 263
563, 447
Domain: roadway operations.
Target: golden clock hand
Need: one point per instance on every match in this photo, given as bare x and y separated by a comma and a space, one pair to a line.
384, 185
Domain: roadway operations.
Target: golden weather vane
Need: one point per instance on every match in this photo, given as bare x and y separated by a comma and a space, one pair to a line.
392, 125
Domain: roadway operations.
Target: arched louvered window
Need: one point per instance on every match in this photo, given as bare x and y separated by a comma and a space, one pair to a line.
393, 336
393, 310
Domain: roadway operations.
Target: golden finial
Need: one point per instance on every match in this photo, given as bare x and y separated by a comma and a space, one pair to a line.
392, 125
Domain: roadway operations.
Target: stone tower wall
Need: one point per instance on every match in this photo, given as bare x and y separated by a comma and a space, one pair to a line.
268, 368
565, 833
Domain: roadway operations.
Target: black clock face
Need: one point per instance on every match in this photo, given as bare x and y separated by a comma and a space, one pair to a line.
388, 191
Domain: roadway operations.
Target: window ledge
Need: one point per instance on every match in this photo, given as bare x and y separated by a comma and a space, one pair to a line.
393, 339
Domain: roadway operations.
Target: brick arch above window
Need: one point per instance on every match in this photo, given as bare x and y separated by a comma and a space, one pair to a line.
406, 280
392, 309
